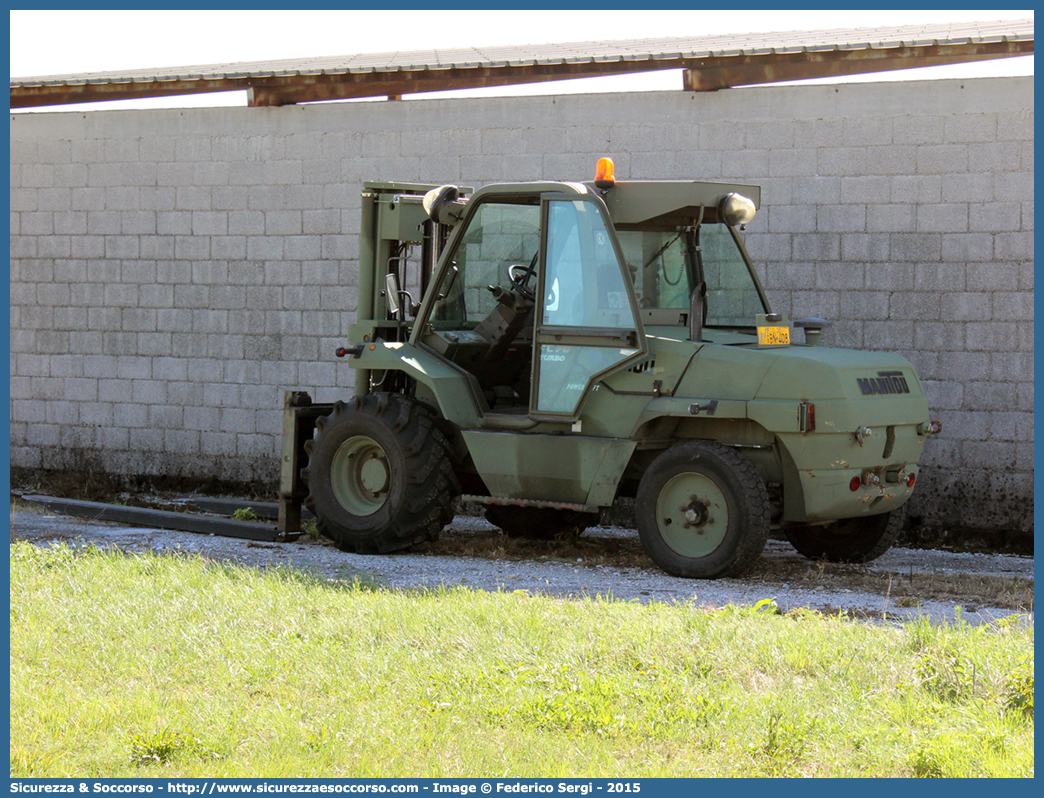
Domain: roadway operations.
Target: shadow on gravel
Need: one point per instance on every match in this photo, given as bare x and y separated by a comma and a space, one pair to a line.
904, 590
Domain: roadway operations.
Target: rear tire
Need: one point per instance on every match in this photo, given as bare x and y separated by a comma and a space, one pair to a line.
538, 523
702, 511
851, 540
379, 474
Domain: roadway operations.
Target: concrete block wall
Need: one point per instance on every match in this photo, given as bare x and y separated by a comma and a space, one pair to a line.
172, 272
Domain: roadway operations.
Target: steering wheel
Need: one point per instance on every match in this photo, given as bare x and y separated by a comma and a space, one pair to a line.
521, 275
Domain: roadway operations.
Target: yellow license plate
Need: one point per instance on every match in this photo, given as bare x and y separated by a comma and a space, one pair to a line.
774, 336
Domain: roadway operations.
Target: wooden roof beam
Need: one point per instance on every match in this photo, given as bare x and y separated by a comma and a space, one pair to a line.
319, 88
65, 94
751, 70
706, 74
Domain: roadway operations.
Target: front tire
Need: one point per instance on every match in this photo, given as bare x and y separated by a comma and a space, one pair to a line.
851, 540
702, 511
379, 474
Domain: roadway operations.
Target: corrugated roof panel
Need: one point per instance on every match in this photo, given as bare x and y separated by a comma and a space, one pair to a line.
600, 51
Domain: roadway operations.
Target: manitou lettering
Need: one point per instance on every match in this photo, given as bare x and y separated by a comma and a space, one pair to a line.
886, 382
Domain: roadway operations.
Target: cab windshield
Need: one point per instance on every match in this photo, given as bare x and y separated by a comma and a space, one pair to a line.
667, 265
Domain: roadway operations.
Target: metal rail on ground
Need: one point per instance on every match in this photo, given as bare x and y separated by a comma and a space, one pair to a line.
163, 519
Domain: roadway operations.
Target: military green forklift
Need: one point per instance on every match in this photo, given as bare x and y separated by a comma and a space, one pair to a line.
546, 348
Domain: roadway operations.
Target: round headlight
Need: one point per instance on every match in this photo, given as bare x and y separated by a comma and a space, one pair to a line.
736, 210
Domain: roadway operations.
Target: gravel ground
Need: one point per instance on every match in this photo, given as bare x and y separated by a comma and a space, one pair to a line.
566, 579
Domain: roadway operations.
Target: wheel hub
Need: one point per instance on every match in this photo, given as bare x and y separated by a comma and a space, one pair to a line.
697, 515
374, 474
692, 514
360, 475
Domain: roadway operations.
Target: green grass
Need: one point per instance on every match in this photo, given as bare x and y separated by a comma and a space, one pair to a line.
148, 666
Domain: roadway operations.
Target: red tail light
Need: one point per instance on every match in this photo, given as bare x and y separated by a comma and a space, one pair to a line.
807, 417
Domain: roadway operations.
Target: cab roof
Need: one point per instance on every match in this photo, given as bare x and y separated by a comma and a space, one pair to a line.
663, 204
670, 203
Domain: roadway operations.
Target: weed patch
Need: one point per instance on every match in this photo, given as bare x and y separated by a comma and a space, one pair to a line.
1018, 693
947, 675
164, 747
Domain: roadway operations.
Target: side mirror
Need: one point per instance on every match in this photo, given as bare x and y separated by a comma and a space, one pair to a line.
391, 293
443, 205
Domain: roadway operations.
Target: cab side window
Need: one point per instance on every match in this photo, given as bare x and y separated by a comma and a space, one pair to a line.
583, 286
498, 236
